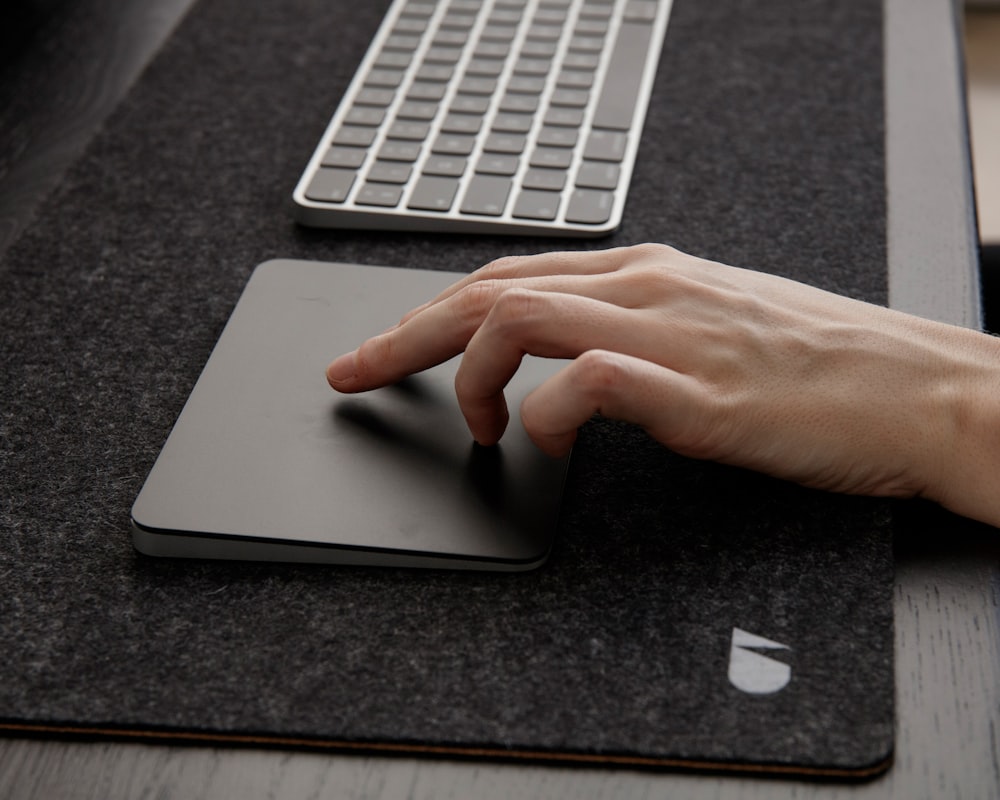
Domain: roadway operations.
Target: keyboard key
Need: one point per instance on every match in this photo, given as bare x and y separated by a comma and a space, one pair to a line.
349, 157
470, 104
443, 55
418, 9
330, 185
484, 67
504, 143
587, 61
640, 10
354, 136
410, 25
414, 109
575, 79
499, 33
451, 144
426, 91
406, 43
558, 137
539, 49
550, 16
366, 116
399, 151
433, 193
589, 207
498, 164
552, 157
525, 84
598, 175
513, 123
462, 123
620, 91
564, 117
409, 130
545, 33
384, 78
389, 172
393, 59
451, 166
447, 38
495, 50
570, 98
536, 205
519, 103
595, 11
370, 96
551, 180
486, 195
480, 86
605, 146
435, 73
532, 66
461, 22
591, 27
586, 44
505, 16
379, 194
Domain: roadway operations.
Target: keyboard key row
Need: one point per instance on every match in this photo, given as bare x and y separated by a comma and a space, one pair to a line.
487, 193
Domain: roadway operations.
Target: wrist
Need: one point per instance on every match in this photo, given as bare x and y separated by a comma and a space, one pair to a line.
967, 474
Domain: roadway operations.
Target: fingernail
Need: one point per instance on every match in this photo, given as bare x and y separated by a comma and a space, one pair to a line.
341, 369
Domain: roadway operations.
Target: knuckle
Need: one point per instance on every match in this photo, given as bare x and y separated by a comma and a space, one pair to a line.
655, 256
515, 305
474, 302
504, 267
651, 250
600, 374
505, 306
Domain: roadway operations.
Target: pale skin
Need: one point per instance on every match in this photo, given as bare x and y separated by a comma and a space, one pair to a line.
715, 362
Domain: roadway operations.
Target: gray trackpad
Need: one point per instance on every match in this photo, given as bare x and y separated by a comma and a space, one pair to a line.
267, 462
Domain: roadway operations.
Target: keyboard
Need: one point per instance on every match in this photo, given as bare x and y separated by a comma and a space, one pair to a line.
490, 116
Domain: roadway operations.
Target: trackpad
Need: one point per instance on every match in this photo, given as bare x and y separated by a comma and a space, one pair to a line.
266, 462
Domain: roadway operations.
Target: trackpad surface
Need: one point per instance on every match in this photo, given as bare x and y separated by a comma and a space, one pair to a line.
266, 462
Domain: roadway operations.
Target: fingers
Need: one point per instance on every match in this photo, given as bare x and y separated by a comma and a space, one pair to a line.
523, 321
440, 329
444, 328
674, 408
520, 268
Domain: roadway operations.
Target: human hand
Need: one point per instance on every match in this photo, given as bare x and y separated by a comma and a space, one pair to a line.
717, 363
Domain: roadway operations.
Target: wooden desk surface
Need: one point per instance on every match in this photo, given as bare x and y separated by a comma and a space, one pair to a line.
948, 572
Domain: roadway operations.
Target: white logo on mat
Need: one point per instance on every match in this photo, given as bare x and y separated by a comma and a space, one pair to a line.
752, 672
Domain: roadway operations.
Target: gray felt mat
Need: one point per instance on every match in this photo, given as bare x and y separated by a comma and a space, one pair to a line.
763, 147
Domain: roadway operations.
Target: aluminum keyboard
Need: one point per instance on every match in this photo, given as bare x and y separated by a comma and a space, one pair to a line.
490, 116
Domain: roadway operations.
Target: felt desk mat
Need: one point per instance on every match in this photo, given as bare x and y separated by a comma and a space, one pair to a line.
763, 147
